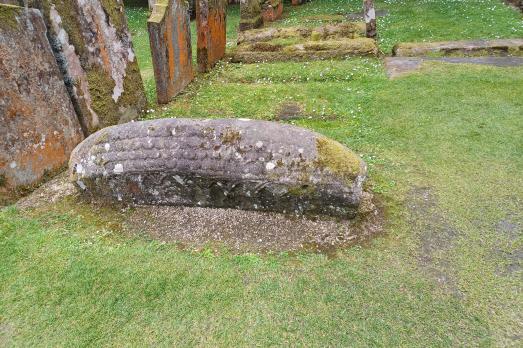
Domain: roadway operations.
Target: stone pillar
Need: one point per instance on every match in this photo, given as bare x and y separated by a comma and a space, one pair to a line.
211, 24
93, 47
250, 14
271, 10
152, 3
38, 124
369, 14
170, 39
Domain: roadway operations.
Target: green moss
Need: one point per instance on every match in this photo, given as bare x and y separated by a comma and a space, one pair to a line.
231, 136
8, 14
337, 159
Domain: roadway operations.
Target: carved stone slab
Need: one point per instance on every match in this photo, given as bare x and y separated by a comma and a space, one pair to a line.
211, 23
38, 124
170, 39
243, 164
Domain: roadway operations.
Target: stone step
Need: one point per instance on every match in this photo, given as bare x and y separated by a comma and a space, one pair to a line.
498, 47
397, 66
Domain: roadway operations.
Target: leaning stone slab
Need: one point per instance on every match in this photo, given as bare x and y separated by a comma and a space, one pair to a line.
38, 124
170, 39
93, 46
250, 15
211, 18
242, 164
500, 47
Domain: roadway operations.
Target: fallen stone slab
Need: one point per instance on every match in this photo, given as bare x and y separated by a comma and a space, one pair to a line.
241, 164
330, 31
38, 124
499, 47
170, 39
309, 50
397, 66
211, 16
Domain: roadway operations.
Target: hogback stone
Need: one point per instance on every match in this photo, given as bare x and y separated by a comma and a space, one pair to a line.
242, 164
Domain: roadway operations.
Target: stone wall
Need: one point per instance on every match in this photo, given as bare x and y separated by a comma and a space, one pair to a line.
170, 39
38, 124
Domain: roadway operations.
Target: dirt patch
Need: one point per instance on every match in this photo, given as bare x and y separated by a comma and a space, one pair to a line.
511, 228
48, 193
436, 237
249, 231
289, 111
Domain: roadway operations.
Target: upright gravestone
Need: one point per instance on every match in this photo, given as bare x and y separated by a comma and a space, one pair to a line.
38, 124
271, 10
250, 15
93, 46
170, 40
211, 26
369, 14
297, 2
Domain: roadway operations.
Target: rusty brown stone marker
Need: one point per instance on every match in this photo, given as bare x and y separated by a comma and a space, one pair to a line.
297, 2
250, 15
38, 124
211, 26
271, 10
170, 40
93, 48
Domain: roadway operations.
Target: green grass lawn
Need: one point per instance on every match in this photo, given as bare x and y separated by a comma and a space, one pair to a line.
445, 154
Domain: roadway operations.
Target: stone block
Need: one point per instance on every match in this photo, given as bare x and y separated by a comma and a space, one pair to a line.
241, 164
93, 46
271, 10
211, 26
38, 124
170, 39
250, 15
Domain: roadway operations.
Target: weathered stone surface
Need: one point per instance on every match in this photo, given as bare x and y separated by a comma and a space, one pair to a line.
211, 16
251, 165
309, 50
170, 39
38, 124
250, 15
93, 46
499, 47
349, 30
271, 10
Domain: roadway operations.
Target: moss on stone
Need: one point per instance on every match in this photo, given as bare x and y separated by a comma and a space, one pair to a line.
231, 136
336, 158
8, 14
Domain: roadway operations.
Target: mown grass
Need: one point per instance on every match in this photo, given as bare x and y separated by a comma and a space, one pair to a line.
447, 271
